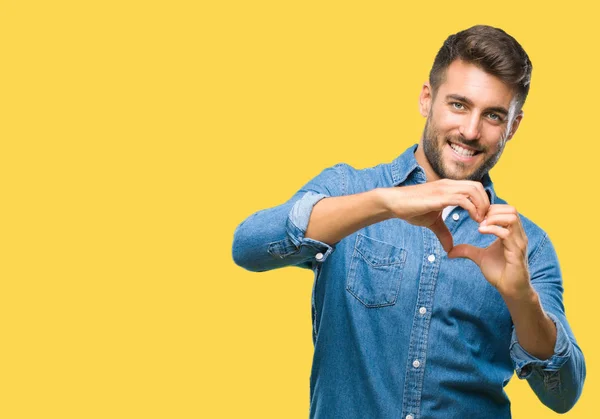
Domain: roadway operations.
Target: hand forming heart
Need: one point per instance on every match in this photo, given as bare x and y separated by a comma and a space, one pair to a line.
504, 262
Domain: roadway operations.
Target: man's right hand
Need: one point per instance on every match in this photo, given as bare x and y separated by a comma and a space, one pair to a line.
422, 204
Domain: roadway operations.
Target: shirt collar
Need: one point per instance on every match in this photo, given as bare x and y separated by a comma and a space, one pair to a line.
406, 163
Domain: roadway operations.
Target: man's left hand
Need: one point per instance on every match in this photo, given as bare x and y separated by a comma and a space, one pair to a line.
504, 262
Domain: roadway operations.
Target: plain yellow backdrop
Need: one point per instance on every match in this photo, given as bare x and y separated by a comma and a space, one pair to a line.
137, 135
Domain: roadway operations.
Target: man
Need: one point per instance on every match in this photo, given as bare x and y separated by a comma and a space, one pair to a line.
406, 323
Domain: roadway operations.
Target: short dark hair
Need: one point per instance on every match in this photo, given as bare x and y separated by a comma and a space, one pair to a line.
492, 50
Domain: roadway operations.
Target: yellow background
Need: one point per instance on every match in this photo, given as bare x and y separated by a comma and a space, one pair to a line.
136, 135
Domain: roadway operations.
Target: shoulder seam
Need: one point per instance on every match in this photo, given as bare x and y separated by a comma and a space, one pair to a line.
539, 248
343, 173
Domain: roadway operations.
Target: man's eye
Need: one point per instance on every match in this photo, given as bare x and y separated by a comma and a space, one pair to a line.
494, 117
457, 105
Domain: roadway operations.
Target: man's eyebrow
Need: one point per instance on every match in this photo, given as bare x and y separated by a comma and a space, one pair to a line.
497, 109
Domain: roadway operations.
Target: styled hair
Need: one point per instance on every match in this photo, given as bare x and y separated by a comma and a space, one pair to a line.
492, 50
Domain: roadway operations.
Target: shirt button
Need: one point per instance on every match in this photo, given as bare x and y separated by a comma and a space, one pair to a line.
455, 217
422, 310
410, 417
431, 258
319, 256
416, 363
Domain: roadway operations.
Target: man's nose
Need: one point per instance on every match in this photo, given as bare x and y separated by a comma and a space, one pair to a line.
471, 127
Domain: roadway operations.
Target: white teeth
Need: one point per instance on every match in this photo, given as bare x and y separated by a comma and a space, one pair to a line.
462, 151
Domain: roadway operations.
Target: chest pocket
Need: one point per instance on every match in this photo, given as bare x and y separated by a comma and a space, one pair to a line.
375, 272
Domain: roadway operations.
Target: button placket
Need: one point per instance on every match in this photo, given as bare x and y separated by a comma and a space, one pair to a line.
415, 368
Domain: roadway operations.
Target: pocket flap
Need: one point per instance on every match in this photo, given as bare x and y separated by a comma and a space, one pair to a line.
379, 253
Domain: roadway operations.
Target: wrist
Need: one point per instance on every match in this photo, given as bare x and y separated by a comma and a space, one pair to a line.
385, 198
518, 300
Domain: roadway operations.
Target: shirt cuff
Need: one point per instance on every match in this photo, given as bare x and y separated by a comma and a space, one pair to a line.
525, 362
297, 223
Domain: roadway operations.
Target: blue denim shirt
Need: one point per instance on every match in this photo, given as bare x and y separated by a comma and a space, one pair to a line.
399, 329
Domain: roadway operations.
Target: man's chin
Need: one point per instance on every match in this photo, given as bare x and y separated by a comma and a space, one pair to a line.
460, 174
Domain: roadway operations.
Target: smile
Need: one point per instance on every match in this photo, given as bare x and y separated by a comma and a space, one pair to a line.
463, 153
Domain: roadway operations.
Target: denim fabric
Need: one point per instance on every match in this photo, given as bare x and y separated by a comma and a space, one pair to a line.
400, 330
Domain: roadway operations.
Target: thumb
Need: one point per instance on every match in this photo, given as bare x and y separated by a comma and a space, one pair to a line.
466, 251
440, 229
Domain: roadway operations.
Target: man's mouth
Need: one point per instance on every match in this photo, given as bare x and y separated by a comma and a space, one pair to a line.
463, 150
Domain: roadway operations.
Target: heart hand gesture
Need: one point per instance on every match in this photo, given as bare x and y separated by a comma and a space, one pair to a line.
422, 204
504, 263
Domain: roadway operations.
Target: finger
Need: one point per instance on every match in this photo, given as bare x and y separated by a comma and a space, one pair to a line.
462, 193
484, 197
467, 251
510, 243
501, 209
474, 192
497, 231
513, 240
507, 213
440, 229
504, 220
477, 192
464, 202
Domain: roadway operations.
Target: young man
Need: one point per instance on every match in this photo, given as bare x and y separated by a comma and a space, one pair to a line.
405, 323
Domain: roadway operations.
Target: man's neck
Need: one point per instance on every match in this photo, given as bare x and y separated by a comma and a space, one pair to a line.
424, 163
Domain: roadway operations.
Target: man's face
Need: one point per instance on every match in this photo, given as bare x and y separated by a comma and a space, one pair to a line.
468, 123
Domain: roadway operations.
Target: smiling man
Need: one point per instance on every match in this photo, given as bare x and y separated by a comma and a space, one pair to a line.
475, 116
429, 289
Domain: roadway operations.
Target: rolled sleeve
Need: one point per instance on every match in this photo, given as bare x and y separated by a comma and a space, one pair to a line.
558, 380
525, 363
274, 237
296, 245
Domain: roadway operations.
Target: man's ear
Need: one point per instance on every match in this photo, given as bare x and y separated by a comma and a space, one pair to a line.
515, 125
425, 99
